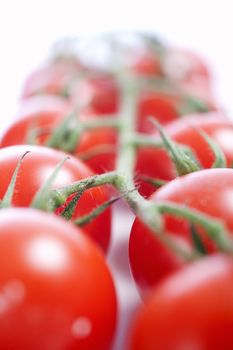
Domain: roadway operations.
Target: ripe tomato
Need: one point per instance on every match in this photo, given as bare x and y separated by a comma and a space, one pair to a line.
156, 163
145, 63
162, 106
100, 144
101, 92
47, 299
208, 191
168, 106
35, 170
151, 162
193, 309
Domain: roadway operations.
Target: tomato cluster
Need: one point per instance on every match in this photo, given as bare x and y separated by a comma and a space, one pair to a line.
56, 288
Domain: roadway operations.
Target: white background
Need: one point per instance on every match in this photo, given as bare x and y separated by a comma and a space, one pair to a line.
27, 29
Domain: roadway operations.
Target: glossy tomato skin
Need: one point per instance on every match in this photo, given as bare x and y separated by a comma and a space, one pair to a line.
35, 169
192, 309
208, 191
150, 260
156, 163
48, 270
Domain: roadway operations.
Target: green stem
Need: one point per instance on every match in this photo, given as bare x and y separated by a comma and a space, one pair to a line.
108, 121
148, 212
61, 194
124, 181
141, 140
214, 228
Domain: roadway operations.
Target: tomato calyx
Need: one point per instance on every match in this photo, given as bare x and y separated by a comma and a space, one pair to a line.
6, 202
41, 199
184, 160
66, 135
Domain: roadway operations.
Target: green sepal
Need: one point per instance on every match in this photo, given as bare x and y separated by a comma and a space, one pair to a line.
192, 104
41, 199
86, 219
7, 199
182, 158
61, 132
69, 209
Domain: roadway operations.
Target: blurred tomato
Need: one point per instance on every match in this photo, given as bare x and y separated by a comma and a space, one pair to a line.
56, 289
208, 191
157, 164
36, 168
192, 309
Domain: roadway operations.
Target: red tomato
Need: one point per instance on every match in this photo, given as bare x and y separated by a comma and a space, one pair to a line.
100, 92
146, 63
156, 163
162, 106
208, 191
47, 299
193, 309
101, 146
20, 130
35, 170
96, 146
167, 107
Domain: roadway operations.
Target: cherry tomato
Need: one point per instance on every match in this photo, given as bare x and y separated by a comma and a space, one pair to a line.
97, 147
47, 299
156, 163
168, 106
208, 191
35, 170
100, 92
160, 105
146, 63
192, 309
